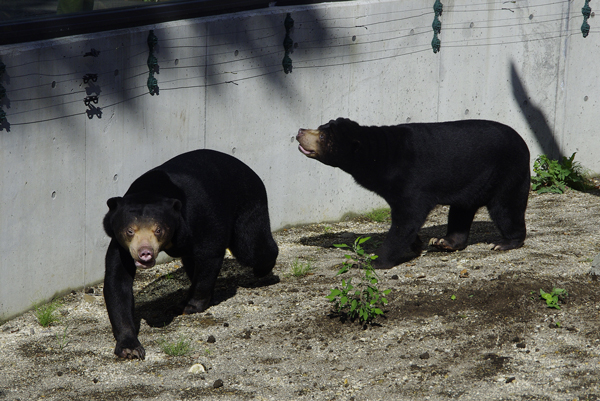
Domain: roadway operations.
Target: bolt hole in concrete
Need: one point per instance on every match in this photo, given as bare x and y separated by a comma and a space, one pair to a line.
53, 195
115, 177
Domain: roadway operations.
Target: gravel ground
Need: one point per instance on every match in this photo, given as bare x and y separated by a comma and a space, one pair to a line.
467, 325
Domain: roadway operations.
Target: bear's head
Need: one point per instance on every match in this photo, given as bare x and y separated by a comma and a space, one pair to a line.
143, 224
333, 143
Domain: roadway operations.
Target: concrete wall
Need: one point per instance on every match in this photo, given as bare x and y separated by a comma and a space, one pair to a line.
222, 86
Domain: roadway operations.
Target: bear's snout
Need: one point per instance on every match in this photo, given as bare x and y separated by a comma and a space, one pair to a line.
146, 254
307, 142
145, 257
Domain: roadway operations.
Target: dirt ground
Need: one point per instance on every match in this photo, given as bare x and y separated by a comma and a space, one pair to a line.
468, 325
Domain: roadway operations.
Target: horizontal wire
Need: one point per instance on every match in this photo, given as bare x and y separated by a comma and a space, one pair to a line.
318, 62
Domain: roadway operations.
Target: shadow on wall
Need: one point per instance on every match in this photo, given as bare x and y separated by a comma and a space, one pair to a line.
535, 117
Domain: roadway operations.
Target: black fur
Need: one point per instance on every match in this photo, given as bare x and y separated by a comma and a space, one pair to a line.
210, 202
414, 167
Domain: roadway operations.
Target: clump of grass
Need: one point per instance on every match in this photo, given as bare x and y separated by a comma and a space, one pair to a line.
300, 269
46, 315
175, 348
379, 215
558, 176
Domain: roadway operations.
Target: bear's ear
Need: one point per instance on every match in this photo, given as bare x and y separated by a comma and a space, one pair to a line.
113, 202
176, 205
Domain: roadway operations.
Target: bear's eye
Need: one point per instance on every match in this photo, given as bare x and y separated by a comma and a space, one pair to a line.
322, 136
130, 232
158, 231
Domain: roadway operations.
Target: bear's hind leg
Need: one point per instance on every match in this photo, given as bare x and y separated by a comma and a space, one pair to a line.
459, 225
203, 272
508, 214
252, 243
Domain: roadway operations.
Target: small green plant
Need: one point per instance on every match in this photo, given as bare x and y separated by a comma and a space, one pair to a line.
327, 229
552, 298
379, 215
62, 338
557, 176
300, 269
45, 314
365, 300
175, 348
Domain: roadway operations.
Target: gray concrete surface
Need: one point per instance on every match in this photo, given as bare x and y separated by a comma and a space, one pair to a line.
222, 86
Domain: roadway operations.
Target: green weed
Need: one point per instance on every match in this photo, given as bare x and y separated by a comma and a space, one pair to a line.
557, 176
45, 314
300, 269
379, 215
365, 300
62, 339
552, 298
175, 348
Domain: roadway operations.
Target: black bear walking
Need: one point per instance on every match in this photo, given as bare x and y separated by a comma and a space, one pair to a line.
194, 206
414, 167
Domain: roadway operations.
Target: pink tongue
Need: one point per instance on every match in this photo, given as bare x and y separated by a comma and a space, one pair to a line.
145, 265
306, 152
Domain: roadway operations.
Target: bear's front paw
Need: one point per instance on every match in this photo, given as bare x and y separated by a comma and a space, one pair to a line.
506, 244
447, 244
127, 353
439, 243
196, 306
382, 264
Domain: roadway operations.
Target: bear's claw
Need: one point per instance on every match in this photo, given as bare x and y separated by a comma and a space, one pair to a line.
445, 245
136, 353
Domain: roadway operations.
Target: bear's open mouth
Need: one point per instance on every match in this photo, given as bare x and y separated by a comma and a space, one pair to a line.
145, 265
305, 151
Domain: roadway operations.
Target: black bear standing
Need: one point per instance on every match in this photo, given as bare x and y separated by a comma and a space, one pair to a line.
194, 206
414, 167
